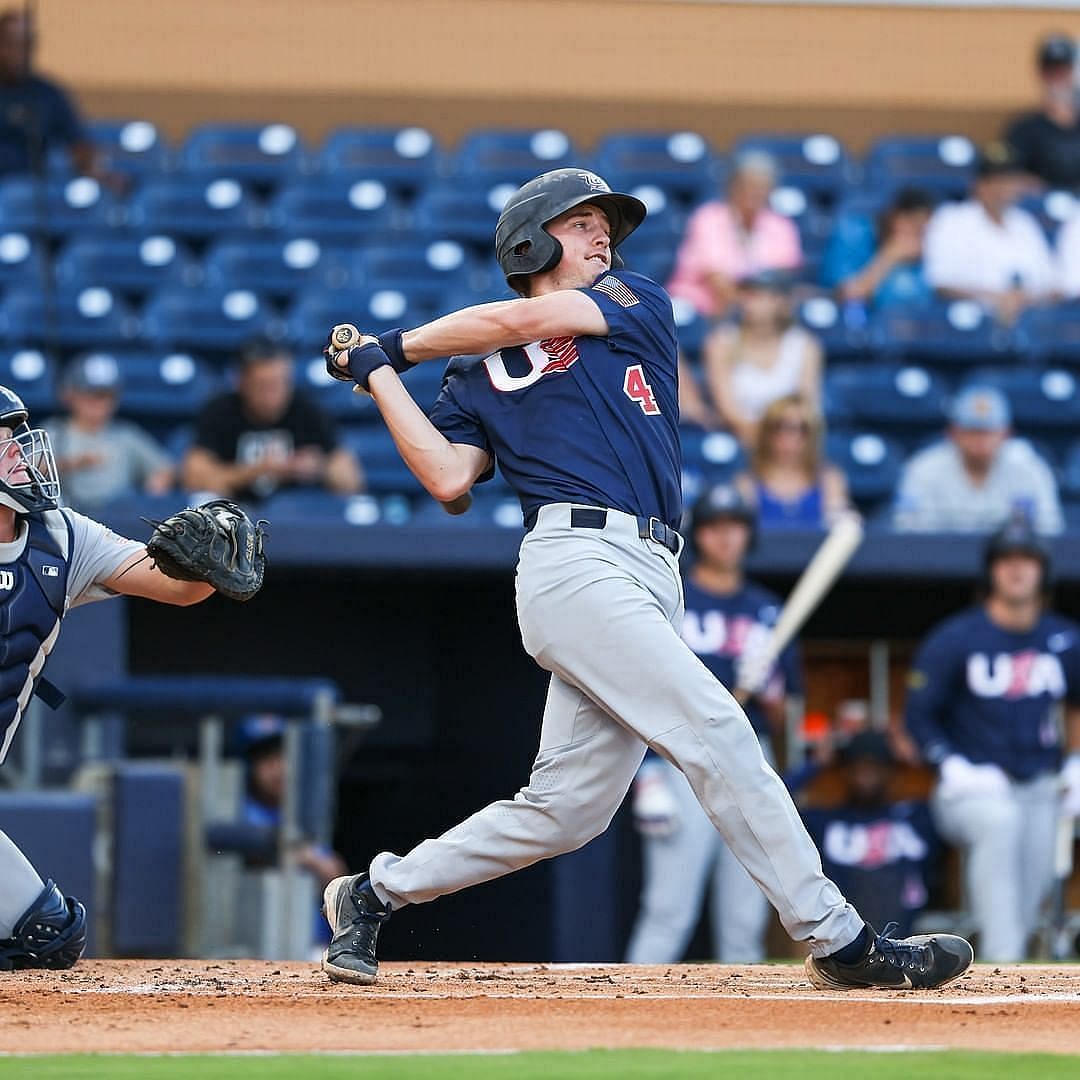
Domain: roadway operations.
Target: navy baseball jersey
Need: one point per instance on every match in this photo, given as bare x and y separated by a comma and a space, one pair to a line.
587, 420
991, 694
720, 628
878, 856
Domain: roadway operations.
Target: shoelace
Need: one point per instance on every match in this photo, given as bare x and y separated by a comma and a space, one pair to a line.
899, 953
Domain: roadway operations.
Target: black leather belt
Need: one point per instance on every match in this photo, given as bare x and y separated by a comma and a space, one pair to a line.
649, 528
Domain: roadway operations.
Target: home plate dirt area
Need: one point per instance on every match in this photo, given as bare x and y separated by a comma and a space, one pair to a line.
193, 1006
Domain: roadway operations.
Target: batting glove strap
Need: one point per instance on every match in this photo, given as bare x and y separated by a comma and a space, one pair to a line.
330, 355
365, 359
391, 345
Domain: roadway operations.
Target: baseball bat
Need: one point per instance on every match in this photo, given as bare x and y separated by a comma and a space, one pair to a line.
1063, 866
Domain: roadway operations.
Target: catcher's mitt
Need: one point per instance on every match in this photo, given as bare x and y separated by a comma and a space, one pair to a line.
216, 543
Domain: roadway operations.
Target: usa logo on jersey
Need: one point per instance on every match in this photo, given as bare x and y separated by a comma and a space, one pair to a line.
1011, 676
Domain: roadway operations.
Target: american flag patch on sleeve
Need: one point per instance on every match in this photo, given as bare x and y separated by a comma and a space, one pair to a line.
618, 292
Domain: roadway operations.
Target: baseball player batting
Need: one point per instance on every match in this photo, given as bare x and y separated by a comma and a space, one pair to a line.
52, 559
574, 391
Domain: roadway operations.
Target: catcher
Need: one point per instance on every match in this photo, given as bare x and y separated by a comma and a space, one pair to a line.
52, 559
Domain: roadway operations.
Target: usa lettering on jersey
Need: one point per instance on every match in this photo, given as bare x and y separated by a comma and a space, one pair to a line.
548, 357
712, 633
868, 846
1026, 674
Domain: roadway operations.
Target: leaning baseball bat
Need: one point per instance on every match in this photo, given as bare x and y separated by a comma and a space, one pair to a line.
823, 569
1063, 866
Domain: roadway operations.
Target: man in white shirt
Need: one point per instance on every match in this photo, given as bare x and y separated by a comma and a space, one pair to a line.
977, 477
988, 249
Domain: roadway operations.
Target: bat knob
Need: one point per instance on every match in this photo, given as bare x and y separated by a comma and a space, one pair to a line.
344, 336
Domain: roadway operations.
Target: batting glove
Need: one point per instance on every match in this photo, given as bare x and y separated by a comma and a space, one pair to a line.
655, 811
960, 777
362, 360
1070, 782
391, 344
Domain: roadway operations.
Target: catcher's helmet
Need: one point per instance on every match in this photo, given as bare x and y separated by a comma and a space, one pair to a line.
28, 478
522, 244
722, 502
1016, 537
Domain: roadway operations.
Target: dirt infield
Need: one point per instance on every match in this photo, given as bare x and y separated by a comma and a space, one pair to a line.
251, 1005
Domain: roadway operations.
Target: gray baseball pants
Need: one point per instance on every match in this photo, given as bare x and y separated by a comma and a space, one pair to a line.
600, 610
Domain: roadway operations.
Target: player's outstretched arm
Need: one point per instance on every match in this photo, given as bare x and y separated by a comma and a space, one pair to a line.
140, 577
502, 325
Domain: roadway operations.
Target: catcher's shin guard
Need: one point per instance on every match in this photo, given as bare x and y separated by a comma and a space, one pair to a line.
52, 933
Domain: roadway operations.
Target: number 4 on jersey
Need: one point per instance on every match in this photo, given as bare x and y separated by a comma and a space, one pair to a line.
637, 389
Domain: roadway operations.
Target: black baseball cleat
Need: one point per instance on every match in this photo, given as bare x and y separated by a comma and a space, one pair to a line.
355, 914
923, 962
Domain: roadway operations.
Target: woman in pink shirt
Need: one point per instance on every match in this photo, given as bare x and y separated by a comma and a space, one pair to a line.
728, 241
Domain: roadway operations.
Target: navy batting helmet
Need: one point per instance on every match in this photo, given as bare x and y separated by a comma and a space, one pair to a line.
28, 479
1016, 537
722, 502
523, 245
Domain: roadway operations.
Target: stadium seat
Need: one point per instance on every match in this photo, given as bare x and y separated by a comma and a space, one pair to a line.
332, 395
489, 507
1051, 335
31, 374
655, 258
663, 226
428, 270
134, 148
1051, 209
20, 260
314, 312
195, 208
942, 165
943, 333
871, 461
1039, 399
1070, 473
817, 162
711, 456
171, 387
680, 163
316, 507
799, 206
89, 318
58, 207
257, 153
469, 216
875, 395
842, 331
277, 267
513, 157
690, 327
384, 470
334, 210
404, 158
128, 264
207, 319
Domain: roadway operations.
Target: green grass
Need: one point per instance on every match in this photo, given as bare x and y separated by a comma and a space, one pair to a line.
592, 1065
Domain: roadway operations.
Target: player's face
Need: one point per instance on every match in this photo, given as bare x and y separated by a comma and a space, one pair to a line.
12, 463
266, 388
722, 544
1017, 578
585, 236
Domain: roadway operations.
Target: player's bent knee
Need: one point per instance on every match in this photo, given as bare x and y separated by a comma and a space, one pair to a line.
51, 934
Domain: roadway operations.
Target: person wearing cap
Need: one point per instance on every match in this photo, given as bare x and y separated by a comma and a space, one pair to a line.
728, 619
763, 357
99, 457
988, 249
266, 435
881, 848
978, 475
726, 242
1047, 141
985, 693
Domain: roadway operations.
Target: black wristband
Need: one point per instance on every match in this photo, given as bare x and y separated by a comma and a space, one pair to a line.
391, 345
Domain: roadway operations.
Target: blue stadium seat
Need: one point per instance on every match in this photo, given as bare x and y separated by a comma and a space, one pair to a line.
943, 165
653, 257
316, 507
195, 208
277, 267
127, 263
334, 210
945, 333
513, 157
31, 374
871, 461
89, 318
1051, 209
690, 327
386, 473
158, 387
431, 269
469, 215
134, 148
817, 162
332, 395
20, 260
709, 457
662, 228
842, 331
1051, 335
489, 507
258, 153
1039, 399
799, 206
58, 207
404, 158
681, 163
1070, 473
212, 320
876, 395
314, 312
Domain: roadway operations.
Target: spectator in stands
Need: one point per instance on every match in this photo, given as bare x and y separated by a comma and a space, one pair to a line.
1047, 141
878, 850
37, 115
881, 265
765, 356
988, 249
265, 435
788, 482
977, 476
726, 242
1068, 253
100, 458
984, 695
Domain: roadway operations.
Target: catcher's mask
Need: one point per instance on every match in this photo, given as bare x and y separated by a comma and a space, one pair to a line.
29, 482
523, 245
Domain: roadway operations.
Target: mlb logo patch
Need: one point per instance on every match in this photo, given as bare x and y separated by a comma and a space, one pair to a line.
50, 571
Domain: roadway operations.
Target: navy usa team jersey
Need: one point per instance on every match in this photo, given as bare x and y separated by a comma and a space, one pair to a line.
589, 420
991, 694
720, 628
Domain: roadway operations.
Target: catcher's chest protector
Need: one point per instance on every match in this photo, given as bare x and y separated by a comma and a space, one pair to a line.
33, 592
